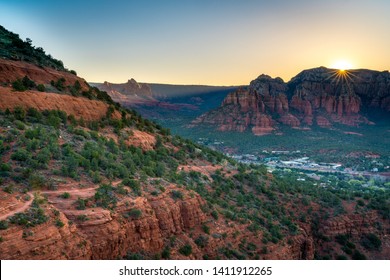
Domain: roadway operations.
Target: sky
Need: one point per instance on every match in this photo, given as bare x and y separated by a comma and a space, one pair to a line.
210, 42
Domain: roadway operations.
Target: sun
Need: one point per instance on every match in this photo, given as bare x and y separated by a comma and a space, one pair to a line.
342, 65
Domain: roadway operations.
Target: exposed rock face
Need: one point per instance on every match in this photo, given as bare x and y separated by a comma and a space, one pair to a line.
317, 96
300, 247
142, 139
105, 234
76, 106
252, 108
337, 96
45, 241
129, 88
353, 224
128, 93
13, 70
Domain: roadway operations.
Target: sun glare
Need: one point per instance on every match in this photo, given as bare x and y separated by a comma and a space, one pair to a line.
342, 65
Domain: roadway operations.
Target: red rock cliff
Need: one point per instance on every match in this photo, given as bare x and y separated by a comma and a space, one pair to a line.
317, 96
13, 70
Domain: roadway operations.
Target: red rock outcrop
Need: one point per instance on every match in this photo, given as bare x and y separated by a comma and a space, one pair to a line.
105, 234
45, 241
299, 247
144, 140
252, 109
12, 70
317, 96
129, 88
76, 106
322, 121
290, 120
352, 224
114, 234
129, 93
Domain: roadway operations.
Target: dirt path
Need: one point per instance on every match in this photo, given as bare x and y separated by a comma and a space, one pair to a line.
79, 190
28, 203
24, 207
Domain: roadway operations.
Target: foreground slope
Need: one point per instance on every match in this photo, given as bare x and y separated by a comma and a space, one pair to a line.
115, 185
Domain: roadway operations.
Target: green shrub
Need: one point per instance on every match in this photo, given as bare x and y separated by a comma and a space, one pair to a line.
23, 84
36, 181
34, 113
121, 190
176, 194
3, 224
342, 239
80, 204
9, 189
19, 113
19, 125
186, 250
59, 223
82, 218
18, 85
341, 257
41, 88
134, 185
357, 255
360, 203
65, 195
105, 197
5, 167
27, 83
371, 242
134, 213
133, 256
59, 84
202, 241
21, 154
206, 228
30, 218
96, 178
56, 212
214, 213
166, 253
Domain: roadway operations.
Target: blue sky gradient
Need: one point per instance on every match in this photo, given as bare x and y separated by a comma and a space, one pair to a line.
203, 42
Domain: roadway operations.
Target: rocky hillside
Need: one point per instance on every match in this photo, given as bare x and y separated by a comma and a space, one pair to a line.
83, 178
14, 48
317, 96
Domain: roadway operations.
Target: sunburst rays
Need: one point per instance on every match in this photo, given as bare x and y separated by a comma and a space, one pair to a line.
342, 79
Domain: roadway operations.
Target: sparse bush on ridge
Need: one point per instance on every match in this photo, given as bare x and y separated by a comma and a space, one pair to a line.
186, 250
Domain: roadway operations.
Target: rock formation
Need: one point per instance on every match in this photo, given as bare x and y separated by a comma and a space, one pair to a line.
104, 234
79, 107
13, 70
130, 92
318, 96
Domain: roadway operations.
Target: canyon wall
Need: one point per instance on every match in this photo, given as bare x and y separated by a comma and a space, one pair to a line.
317, 96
